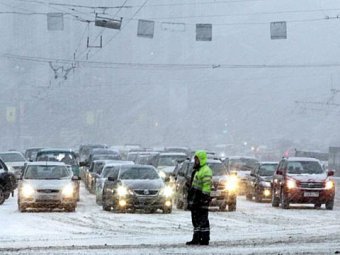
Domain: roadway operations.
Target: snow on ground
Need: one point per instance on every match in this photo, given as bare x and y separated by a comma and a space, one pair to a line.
255, 228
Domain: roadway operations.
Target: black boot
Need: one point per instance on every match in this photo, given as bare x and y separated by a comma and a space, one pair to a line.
195, 239
205, 238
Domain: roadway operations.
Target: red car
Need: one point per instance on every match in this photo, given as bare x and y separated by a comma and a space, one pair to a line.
302, 180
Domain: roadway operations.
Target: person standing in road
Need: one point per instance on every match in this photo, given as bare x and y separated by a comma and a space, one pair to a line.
199, 199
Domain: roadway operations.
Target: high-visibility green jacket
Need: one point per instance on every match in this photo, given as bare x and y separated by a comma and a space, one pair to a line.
203, 177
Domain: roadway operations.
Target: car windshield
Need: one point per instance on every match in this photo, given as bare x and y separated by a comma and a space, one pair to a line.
12, 157
66, 157
138, 173
267, 169
218, 168
107, 171
243, 164
304, 167
47, 172
170, 160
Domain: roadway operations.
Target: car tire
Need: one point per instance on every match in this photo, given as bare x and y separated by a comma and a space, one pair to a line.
179, 204
275, 200
71, 208
283, 200
330, 204
258, 198
232, 206
249, 197
223, 206
2, 195
167, 210
105, 206
21, 208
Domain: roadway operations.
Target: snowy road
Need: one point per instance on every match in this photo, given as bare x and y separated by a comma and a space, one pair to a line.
255, 228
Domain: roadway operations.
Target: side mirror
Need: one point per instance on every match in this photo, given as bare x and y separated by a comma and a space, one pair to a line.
111, 179
279, 172
330, 173
76, 178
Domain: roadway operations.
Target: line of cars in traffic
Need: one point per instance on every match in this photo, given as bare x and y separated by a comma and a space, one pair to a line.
126, 181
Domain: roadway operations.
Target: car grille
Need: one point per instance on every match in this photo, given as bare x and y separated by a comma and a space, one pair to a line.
48, 191
146, 192
311, 185
218, 186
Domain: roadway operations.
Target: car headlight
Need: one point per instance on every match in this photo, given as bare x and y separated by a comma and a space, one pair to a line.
266, 192
68, 191
329, 185
122, 191
232, 183
167, 191
265, 184
27, 190
291, 184
162, 174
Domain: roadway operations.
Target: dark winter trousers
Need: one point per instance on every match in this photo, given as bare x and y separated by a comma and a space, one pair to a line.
200, 222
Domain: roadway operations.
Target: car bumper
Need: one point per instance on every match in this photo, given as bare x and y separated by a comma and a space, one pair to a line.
265, 193
310, 196
144, 202
222, 196
48, 203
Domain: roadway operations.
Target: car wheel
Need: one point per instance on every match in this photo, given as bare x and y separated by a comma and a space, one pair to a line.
232, 206
179, 204
258, 198
223, 206
105, 206
284, 201
249, 196
330, 205
2, 195
275, 200
167, 210
71, 208
21, 208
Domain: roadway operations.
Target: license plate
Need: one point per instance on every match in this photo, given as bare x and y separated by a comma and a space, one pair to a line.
48, 197
311, 194
215, 193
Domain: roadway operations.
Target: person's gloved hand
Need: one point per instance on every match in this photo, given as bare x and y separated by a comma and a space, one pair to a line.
205, 199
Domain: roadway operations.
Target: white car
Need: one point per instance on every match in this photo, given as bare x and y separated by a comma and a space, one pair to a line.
15, 162
47, 185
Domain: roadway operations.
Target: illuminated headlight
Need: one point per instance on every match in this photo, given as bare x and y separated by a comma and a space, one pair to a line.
232, 183
168, 203
68, 191
265, 184
122, 191
167, 191
291, 184
27, 190
122, 203
266, 192
329, 185
162, 174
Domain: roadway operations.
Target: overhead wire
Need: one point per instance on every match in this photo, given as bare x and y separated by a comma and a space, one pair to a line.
115, 65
